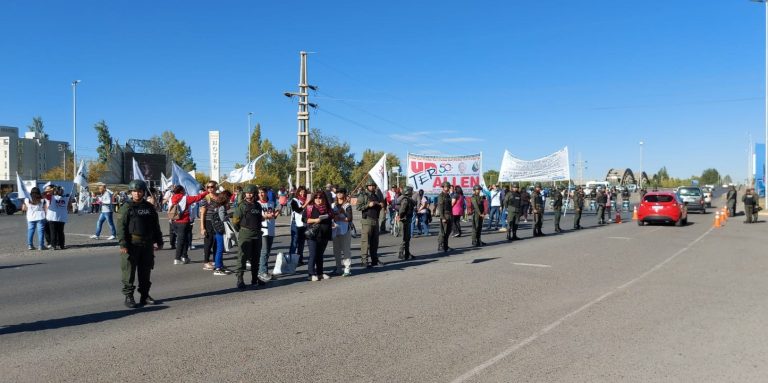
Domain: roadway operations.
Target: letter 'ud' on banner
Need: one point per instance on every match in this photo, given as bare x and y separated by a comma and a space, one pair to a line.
429, 172
553, 167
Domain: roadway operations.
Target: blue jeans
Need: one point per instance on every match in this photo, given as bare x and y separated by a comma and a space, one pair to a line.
493, 219
218, 257
108, 217
504, 218
266, 248
40, 225
420, 224
297, 240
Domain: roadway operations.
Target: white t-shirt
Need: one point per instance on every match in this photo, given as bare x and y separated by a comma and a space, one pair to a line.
36, 212
267, 225
496, 197
106, 201
57, 210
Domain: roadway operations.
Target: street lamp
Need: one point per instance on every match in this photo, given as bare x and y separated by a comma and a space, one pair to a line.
74, 125
641, 165
249, 136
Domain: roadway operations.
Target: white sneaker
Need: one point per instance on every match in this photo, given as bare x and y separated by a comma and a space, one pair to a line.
185, 260
177, 262
314, 278
111, 237
94, 236
326, 276
248, 264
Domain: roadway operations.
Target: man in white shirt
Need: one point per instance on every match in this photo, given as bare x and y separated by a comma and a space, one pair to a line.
495, 198
105, 196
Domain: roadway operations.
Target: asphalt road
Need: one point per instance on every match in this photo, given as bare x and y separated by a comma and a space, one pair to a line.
604, 304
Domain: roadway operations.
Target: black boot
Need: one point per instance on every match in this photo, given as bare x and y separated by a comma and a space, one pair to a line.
146, 300
240, 283
130, 302
514, 235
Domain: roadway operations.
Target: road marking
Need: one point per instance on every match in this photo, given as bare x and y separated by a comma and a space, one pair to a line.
531, 264
625, 238
538, 334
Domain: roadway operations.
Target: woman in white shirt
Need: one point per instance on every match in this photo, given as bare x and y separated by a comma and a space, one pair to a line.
35, 207
57, 216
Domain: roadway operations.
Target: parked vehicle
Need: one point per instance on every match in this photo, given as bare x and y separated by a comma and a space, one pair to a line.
11, 203
662, 207
693, 197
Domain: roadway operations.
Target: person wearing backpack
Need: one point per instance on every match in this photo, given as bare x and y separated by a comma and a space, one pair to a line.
178, 213
218, 218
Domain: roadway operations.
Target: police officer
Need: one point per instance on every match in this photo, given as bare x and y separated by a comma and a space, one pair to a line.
731, 196
443, 212
578, 207
749, 205
478, 213
371, 205
513, 201
537, 203
406, 206
602, 201
247, 218
139, 230
557, 206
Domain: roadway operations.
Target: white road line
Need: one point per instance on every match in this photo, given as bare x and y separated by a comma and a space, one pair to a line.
531, 264
512, 349
625, 238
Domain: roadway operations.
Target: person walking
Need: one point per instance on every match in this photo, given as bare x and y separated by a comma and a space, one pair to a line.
57, 215
342, 235
537, 203
750, 201
298, 203
208, 209
319, 219
557, 206
182, 225
35, 208
371, 206
247, 219
139, 230
268, 233
602, 201
731, 200
525, 205
107, 208
478, 213
578, 207
513, 201
406, 207
443, 211
422, 214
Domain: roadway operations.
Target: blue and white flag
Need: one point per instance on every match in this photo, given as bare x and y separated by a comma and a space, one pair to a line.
21, 188
186, 180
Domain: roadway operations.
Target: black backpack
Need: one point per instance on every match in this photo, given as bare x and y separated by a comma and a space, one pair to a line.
216, 222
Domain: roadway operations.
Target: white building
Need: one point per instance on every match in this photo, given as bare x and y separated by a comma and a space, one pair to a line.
30, 156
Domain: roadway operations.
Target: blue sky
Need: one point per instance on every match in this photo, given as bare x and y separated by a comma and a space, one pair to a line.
684, 76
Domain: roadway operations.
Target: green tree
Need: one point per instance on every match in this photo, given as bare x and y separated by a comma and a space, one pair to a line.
255, 143
491, 177
709, 177
333, 161
178, 151
727, 180
95, 170
368, 160
37, 126
105, 141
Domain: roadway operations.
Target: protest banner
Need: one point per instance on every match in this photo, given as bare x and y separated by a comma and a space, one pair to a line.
553, 167
428, 172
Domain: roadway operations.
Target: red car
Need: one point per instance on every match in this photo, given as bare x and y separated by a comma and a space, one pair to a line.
662, 207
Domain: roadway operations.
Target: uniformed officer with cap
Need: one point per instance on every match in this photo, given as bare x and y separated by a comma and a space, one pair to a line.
578, 207
513, 202
406, 206
478, 213
139, 230
443, 211
557, 206
369, 203
247, 218
537, 203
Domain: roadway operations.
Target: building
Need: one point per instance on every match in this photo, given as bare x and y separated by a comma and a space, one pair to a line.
30, 156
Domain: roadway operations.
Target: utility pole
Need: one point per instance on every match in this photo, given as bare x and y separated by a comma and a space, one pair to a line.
580, 166
302, 145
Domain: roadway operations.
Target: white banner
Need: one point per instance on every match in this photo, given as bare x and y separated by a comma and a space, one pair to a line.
429, 172
553, 167
246, 173
213, 144
80, 178
379, 173
137, 174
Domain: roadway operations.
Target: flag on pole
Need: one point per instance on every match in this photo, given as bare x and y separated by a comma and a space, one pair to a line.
80, 177
290, 182
246, 173
379, 173
21, 188
165, 182
137, 174
186, 180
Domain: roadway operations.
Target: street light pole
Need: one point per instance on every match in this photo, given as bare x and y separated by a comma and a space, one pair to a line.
249, 136
641, 164
74, 125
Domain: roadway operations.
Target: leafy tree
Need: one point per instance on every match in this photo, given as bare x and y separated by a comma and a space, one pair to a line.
662, 174
177, 150
333, 161
95, 170
201, 177
491, 177
105, 141
368, 160
255, 143
727, 179
37, 126
709, 177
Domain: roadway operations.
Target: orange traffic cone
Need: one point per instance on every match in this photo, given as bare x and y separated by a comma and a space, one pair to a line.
724, 216
717, 219
618, 217
634, 214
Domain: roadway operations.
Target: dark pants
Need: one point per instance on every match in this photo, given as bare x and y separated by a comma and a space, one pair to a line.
405, 246
369, 242
250, 249
172, 233
141, 259
577, 219
457, 224
558, 215
183, 234
732, 207
601, 213
538, 221
316, 251
209, 244
748, 211
47, 228
57, 233
513, 217
477, 229
297, 240
446, 225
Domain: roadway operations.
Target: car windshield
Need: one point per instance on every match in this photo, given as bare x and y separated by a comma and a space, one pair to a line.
659, 198
689, 192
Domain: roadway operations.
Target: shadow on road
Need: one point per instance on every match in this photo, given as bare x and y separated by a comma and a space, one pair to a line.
52, 324
21, 265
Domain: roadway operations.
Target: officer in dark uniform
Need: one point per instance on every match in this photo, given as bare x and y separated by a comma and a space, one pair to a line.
371, 205
478, 213
557, 206
602, 201
247, 218
139, 230
406, 206
513, 202
443, 212
731, 200
537, 203
578, 207
749, 205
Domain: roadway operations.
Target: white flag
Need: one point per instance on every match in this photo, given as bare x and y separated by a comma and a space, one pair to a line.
379, 173
290, 182
246, 173
165, 182
80, 177
186, 180
21, 188
83, 199
137, 175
